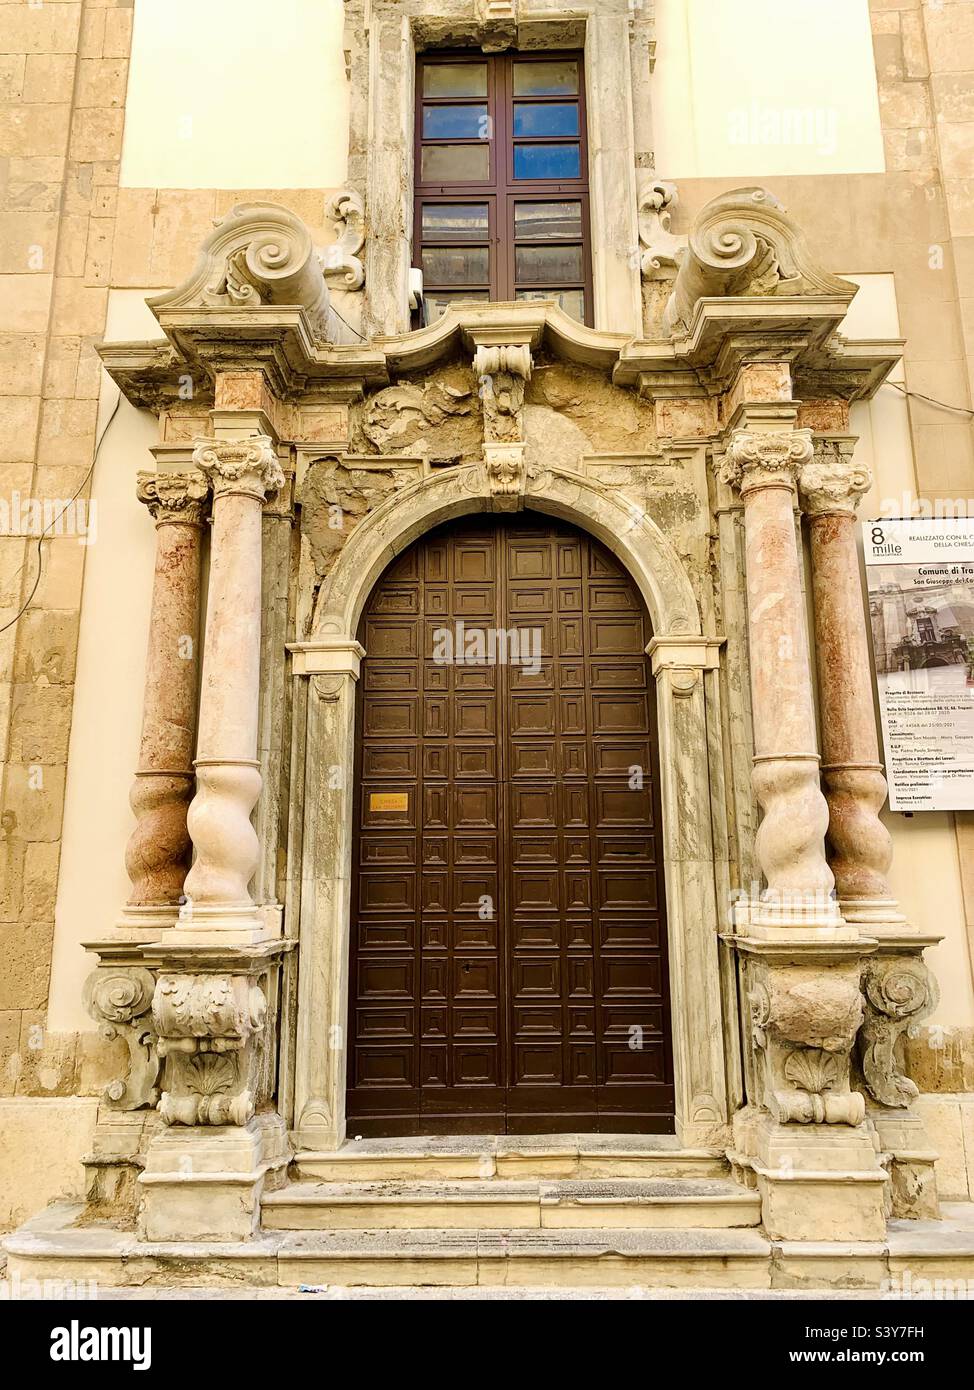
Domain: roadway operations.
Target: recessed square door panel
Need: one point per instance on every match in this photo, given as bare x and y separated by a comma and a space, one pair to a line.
508, 955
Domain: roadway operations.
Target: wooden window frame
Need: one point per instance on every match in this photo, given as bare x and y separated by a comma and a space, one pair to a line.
501, 191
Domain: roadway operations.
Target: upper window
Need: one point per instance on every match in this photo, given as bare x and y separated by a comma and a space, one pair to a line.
502, 180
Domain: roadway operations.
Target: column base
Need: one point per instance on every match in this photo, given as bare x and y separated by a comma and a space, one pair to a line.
911, 1162
817, 1182
875, 913
818, 922
205, 1183
225, 926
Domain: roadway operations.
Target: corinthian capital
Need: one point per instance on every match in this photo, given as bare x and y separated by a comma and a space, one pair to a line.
755, 460
240, 465
173, 497
832, 482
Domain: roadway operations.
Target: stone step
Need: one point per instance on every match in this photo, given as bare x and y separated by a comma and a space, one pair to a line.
510, 1204
668, 1259
609, 1156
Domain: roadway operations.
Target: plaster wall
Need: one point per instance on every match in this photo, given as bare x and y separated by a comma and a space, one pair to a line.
770, 87
260, 100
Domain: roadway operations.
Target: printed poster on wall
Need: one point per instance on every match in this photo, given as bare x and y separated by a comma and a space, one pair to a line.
920, 576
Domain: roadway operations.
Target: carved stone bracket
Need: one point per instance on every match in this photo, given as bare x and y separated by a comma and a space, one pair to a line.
206, 1025
119, 999
660, 249
743, 243
804, 1021
503, 371
498, 23
259, 254
340, 262
899, 990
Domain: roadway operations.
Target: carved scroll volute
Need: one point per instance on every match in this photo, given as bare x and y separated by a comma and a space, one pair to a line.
119, 999
898, 991
207, 1025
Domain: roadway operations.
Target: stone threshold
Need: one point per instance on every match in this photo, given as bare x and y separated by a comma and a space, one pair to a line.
54, 1247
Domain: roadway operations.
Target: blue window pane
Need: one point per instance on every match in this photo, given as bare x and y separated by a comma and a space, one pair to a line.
545, 118
546, 162
455, 122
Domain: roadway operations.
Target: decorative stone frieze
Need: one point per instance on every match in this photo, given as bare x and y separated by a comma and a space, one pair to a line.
899, 991
743, 243
158, 851
119, 999
205, 1024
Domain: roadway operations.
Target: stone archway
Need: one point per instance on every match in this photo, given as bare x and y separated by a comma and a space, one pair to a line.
689, 725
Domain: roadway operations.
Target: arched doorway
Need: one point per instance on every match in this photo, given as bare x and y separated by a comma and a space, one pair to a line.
508, 966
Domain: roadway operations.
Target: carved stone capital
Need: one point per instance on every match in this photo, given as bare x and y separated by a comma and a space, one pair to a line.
773, 459
831, 481
173, 497
119, 999
249, 466
206, 1025
804, 1021
899, 990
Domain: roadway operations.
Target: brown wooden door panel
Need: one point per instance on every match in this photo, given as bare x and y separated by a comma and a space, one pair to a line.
508, 966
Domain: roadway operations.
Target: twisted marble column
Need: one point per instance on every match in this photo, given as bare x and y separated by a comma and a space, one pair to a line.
790, 840
242, 472
860, 848
158, 852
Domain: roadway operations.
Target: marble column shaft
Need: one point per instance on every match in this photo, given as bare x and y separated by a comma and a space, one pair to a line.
158, 851
860, 846
242, 471
790, 840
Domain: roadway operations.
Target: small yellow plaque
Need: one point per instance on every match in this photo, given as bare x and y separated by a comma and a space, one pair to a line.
389, 801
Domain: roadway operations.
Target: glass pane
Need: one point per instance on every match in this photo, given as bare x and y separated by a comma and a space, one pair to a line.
572, 301
455, 163
435, 303
546, 118
548, 264
546, 162
543, 220
545, 79
456, 265
458, 122
455, 80
455, 221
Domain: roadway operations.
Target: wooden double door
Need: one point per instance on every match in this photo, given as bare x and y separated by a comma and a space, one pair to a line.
508, 958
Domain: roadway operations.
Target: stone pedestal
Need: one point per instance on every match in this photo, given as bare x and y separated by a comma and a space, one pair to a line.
158, 853
206, 1183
